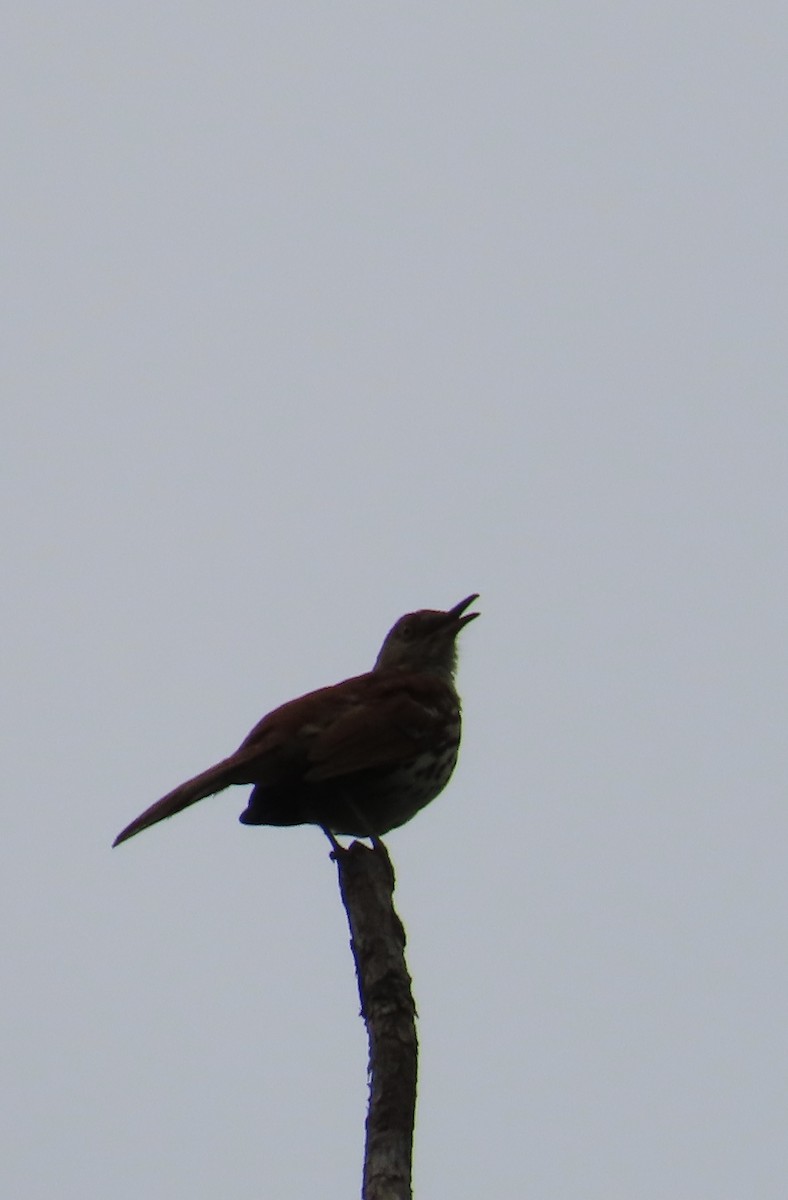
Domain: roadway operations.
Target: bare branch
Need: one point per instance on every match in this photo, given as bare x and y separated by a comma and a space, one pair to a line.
377, 939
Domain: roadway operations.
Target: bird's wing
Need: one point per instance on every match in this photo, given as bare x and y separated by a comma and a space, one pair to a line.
393, 729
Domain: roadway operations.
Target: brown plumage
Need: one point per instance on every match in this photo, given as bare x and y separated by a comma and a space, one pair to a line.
359, 758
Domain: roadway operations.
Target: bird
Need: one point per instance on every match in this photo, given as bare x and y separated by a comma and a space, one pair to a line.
359, 758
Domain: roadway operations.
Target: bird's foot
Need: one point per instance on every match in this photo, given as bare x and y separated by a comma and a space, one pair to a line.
336, 847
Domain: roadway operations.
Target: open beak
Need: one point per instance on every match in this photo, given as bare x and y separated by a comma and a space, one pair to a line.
458, 615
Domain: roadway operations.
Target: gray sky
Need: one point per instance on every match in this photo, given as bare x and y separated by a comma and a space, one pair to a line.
315, 314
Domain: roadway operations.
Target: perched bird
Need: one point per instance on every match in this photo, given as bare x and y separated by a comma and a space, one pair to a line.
359, 758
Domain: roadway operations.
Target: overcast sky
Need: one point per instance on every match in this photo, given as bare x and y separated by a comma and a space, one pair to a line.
315, 314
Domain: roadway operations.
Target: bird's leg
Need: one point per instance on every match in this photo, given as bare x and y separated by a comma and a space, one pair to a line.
364, 824
335, 846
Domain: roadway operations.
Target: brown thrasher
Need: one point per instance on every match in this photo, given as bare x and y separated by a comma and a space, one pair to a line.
359, 758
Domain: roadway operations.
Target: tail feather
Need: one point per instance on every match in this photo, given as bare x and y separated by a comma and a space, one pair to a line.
215, 779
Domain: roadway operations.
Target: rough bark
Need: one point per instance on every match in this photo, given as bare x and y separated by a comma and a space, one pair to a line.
377, 939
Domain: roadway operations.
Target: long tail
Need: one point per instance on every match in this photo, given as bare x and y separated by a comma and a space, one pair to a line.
215, 779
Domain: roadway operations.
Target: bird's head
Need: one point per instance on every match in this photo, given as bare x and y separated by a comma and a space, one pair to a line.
425, 640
